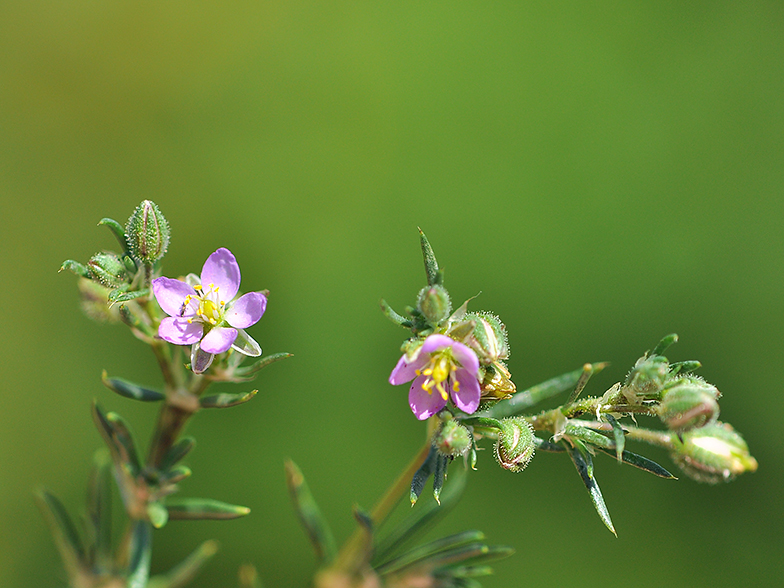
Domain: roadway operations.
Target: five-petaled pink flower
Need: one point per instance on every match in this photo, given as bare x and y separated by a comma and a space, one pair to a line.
441, 368
203, 313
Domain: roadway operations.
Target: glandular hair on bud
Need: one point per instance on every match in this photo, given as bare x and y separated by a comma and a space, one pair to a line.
109, 269
434, 304
488, 339
515, 446
713, 453
688, 402
147, 232
452, 439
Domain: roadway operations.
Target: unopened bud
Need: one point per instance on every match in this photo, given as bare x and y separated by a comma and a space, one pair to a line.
646, 379
434, 304
687, 403
452, 439
515, 445
713, 453
488, 339
147, 232
109, 269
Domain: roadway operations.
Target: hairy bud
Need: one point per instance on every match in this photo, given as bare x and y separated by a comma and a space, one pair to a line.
687, 403
434, 304
488, 338
147, 232
713, 453
108, 269
453, 439
515, 445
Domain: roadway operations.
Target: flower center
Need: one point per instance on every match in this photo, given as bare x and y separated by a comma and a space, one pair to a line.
438, 372
210, 307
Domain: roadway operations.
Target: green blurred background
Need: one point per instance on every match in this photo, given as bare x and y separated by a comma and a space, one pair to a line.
603, 173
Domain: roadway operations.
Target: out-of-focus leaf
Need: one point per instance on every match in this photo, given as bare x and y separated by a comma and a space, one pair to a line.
310, 516
99, 512
157, 514
666, 341
225, 400
203, 508
64, 532
263, 362
141, 551
118, 437
429, 550
131, 390
182, 574
177, 452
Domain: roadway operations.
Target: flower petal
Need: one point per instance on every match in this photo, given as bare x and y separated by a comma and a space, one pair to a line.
200, 360
218, 339
423, 404
246, 344
406, 368
437, 342
466, 357
246, 310
179, 331
221, 269
468, 394
170, 294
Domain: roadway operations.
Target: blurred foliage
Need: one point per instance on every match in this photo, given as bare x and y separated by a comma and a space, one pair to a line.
603, 174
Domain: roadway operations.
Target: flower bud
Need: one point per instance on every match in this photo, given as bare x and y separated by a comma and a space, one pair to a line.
434, 304
108, 269
713, 453
515, 445
687, 403
452, 439
488, 339
646, 379
147, 232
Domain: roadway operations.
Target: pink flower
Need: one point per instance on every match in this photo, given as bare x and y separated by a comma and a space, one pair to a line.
203, 313
441, 368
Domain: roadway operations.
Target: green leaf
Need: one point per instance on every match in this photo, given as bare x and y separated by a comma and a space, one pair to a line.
182, 574
203, 508
581, 382
118, 437
584, 464
536, 394
664, 344
642, 463
428, 551
131, 390
309, 514
64, 532
588, 435
99, 511
117, 230
177, 452
431, 265
393, 316
157, 514
118, 295
225, 400
422, 474
75, 267
685, 367
141, 552
263, 362
618, 435
174, 475
439, 475
543, 445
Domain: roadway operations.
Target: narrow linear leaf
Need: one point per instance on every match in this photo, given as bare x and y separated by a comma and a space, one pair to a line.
177, 452
581, 382
431, 265
642, 463
465, 572
63, 530
584, 465
184, 573
589, 436
99, 511
618, 435
118, 437
543, 445
422, 474
203, 508
141, 553
124, 437
117, 230
666, 341
75, 267
174, 475
536, 394
264, 362
429, 550
118, 295
439, 475
393, 316
225, 400
316, 526
685, 367
131, 390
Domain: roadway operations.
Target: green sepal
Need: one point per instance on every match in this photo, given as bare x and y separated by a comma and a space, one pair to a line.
120, 295
131, 390
174, 475
64, 532
225, 400
431, 265
203, 508
642, 463
666, 341
584, 463
118, 437
99, 512
157, 514
262, 363
618, 435
439, 475
393, 316
316, 526
536, 394
422, 518
422, 474
117, 230
176, 452
77, 268
684, 367
141, 552
183, 573
426, 552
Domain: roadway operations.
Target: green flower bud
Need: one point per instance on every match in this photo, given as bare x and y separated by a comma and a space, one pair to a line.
515, 445
488, 340
646, 379
687, 403
109, 269
713, 453
147, 233
434, 304
452, 439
